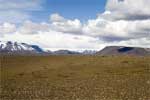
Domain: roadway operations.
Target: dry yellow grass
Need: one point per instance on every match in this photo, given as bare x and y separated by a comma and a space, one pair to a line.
74, 78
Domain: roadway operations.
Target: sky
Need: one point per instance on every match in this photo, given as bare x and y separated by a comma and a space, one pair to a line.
76, 24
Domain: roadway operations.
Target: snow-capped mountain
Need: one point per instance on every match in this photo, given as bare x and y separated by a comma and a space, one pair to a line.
15, 47
10, 47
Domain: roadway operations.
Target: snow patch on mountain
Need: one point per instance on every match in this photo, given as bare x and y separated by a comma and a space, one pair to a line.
10, 46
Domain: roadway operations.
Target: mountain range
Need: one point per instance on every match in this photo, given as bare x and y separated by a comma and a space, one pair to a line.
13, 48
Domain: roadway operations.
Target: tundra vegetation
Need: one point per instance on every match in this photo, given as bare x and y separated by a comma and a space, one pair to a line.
74, 77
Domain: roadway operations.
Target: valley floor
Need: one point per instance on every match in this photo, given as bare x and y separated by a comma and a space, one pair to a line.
74, 78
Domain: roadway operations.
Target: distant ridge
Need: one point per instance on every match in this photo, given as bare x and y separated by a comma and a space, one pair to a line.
15, 48
65, 52
123, 50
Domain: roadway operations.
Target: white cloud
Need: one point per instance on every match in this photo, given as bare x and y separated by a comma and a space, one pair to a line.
123, 20
127, 9
30, 27
17, 11
94, 34
43, 35
12, 16
141, 42
6, 28
56, 40
60, 24
120, 29
56, 18
29, 5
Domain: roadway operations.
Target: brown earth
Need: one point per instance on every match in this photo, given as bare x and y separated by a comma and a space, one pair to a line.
74, 78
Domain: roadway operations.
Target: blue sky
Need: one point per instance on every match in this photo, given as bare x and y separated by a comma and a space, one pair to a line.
81, 9
76, 24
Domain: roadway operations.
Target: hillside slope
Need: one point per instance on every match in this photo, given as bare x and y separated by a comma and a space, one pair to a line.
121, 50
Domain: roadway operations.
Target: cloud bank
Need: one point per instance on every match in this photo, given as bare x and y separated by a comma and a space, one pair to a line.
124, 22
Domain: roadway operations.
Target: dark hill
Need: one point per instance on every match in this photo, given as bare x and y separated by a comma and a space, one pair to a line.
121, 50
